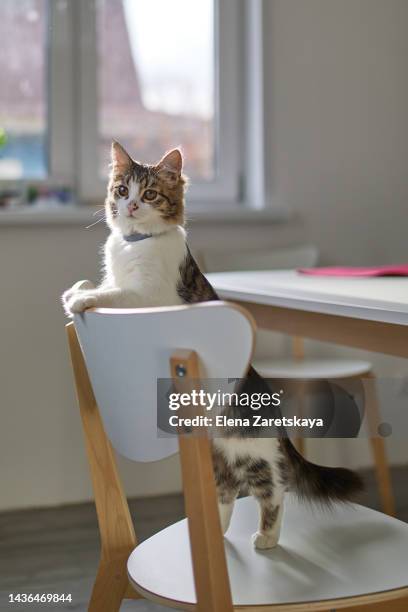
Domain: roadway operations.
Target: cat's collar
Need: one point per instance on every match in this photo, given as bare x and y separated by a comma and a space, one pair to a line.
136, 237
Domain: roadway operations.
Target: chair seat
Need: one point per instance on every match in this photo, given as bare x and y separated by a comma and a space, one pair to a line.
322, 555
312, 369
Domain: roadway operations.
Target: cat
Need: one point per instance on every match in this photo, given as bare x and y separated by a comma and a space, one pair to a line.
147, 262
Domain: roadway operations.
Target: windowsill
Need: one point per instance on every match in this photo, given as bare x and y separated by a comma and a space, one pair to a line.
79, 215
66, 215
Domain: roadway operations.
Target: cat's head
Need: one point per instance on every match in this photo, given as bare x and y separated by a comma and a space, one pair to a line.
145, 198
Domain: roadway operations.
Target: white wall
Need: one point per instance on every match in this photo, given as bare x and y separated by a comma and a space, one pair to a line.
337, 133
337, 127
41, 448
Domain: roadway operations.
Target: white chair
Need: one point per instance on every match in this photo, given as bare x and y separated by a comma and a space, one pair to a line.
302, 368
351, 557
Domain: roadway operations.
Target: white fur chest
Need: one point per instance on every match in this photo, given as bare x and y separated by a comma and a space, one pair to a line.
151, 267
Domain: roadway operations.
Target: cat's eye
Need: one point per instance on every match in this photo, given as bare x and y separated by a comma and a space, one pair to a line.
150, 195
123, 191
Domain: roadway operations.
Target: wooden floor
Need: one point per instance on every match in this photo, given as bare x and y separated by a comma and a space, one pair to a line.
56, 550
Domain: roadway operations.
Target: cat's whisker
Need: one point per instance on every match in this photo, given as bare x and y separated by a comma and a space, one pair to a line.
92, 224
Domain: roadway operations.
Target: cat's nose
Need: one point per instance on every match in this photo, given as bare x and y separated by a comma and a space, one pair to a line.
132, 206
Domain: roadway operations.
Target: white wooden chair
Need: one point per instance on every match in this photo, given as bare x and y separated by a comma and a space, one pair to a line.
302, 367
351, 557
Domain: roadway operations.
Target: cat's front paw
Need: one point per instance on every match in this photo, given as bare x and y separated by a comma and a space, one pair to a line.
263, 541
80, 302
81, 285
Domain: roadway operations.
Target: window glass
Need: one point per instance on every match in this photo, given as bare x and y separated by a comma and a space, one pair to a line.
23, 90
156, 80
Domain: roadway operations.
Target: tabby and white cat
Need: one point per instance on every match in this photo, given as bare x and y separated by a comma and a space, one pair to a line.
148, 263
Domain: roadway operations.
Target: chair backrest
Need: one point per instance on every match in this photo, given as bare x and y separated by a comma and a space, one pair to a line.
304, 256
126, 351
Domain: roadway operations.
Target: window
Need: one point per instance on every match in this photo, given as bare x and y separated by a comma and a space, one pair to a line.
152, 74
23, 91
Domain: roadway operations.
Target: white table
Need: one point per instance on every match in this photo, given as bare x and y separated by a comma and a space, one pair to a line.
367, 313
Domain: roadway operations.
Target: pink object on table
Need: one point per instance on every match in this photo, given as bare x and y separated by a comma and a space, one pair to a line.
397, 270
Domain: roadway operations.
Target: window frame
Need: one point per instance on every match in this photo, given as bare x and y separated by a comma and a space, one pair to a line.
62, 101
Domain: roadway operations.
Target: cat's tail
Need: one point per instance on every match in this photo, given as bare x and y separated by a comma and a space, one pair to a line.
318, 483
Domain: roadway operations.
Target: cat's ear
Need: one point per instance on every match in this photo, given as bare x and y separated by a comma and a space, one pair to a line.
120, 160
172, 163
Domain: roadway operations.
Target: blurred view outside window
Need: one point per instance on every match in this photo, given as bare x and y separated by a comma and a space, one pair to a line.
23, 89
156, 77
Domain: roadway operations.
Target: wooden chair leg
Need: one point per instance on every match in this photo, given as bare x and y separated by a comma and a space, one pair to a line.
207, 543
115, 523
110, 586
300, 442
298, 348
300, 446
298, 353
378, 446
